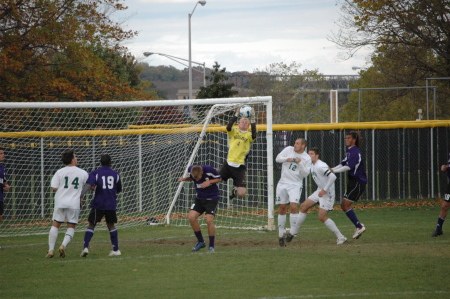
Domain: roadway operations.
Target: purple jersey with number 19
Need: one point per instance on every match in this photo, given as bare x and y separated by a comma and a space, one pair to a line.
107, 184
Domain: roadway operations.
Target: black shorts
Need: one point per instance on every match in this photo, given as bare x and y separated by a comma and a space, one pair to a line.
354, 190
207, 206
236, 173
1, 207
95, 216
447, 194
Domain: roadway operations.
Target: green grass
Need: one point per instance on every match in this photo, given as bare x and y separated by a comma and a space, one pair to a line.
395, 258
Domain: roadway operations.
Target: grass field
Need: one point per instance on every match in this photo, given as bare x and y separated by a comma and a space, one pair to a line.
395, 258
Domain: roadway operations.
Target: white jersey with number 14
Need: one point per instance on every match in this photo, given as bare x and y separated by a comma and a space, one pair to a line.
69, 181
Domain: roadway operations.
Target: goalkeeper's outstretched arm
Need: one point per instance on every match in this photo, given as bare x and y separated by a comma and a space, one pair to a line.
233, 120
253, 123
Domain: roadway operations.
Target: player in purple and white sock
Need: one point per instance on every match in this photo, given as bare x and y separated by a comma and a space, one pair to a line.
353, 163
205, 180
107, 184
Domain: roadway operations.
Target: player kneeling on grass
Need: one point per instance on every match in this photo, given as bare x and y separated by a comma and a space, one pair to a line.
324, 195
205, 180
107, 184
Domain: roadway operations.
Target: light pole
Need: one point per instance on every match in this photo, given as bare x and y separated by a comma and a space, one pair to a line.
190, 55
174, 58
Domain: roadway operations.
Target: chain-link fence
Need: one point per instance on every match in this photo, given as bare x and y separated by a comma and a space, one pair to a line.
402, 159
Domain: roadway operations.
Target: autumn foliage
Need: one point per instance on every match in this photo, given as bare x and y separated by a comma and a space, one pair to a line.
64, 50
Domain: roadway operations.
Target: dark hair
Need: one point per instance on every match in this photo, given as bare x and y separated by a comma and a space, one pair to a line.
2, 149
357, 136
67, 157
316, 150
105, 160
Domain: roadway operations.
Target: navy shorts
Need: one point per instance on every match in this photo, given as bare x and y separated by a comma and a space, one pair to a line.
354, 190
95, 216
1, 207
235, 173
207, 206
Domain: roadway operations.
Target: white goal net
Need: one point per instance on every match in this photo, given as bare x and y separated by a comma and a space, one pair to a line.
151, 144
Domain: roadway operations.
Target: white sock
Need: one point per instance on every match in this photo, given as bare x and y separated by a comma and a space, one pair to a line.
293, 220
52, 236
332, 226
69, 235
300, 219
281, 225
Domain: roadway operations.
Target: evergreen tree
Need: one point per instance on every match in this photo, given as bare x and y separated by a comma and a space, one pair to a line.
218, 87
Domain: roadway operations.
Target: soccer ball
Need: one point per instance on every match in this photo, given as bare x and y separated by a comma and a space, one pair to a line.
245, 111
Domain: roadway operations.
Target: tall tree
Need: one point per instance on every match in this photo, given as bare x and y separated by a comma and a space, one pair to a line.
218, 87
413, 24
410, 42
64, 50
401, 99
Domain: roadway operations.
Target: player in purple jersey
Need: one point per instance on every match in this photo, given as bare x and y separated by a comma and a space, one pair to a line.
106, 183
445, 204
205, 180
3, 184
353, 163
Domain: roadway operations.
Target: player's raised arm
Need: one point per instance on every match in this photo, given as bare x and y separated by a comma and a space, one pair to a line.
253, 123
233, 119
283, 156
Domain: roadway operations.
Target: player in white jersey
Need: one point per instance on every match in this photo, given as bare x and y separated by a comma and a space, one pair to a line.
295, 167
68, 183
324, 195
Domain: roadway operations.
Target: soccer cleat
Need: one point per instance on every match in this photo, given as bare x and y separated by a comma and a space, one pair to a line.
289, 237
341, 241
359, 232
199, 246
115, 253
437, 233
85, 252
211, 249
62, 251
281, 242
50, 254
233, 193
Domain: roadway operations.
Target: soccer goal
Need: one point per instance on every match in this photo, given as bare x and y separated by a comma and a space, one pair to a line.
151, 143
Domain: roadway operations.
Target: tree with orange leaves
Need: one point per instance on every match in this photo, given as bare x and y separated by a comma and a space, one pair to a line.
65, 50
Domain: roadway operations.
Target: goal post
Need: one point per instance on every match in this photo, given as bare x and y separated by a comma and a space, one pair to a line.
151, 144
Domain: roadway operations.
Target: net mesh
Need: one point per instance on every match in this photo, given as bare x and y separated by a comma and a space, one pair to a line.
150, 147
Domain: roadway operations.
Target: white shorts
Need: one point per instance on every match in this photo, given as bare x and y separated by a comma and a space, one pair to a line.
61, 214
325, 202
288, 193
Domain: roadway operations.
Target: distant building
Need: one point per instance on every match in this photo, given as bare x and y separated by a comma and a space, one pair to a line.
183, 94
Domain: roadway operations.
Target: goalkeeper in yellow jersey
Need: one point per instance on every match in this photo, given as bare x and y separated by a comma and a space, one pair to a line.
240, 139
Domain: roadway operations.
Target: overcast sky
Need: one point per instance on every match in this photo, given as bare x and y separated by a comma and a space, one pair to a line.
242, 35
